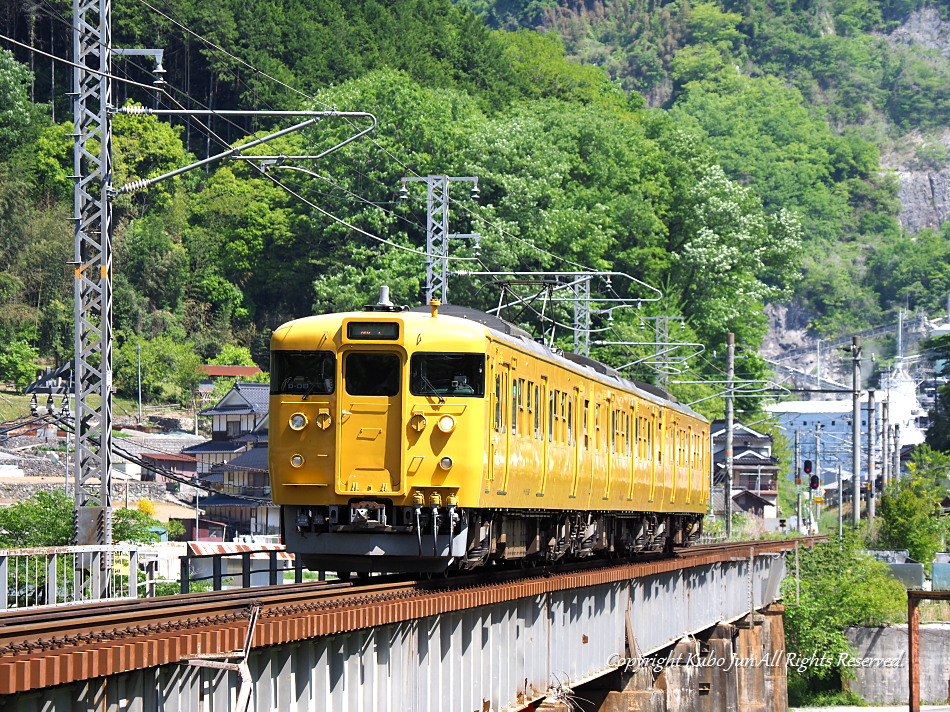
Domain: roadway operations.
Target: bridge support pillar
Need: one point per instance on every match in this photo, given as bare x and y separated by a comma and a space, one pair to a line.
727, 668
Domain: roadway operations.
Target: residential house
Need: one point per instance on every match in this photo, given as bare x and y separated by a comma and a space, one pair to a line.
234, 462
754, 469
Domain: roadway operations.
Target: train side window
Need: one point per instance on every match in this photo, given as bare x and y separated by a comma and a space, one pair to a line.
302, 373
551, 414
562, 431
585, 426
524, 406
627, 434
514, 405
537, 412
598, 444
498, 396
371, 373
570, 421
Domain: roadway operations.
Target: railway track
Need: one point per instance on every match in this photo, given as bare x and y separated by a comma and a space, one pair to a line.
39, 648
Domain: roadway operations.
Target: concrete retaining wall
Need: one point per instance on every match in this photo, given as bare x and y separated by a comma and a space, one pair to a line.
888, 685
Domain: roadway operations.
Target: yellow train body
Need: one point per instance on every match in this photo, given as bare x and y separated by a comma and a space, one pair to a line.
374, 438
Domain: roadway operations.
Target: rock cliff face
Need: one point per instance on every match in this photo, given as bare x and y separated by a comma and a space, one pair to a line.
924, 192
924, 196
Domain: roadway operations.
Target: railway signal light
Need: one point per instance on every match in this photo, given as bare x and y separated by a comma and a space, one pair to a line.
807, 467
813, 482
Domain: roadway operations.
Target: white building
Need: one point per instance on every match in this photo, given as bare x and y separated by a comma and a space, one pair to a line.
824, 428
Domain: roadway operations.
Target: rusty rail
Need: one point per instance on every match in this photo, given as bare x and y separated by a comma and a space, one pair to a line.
44, 648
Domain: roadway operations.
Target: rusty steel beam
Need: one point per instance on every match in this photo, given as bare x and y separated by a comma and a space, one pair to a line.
913, 651
914, 597
118, 642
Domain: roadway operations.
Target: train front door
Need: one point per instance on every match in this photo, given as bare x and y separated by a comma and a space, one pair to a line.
369, 452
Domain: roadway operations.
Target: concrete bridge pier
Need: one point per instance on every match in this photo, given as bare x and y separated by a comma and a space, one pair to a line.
737, 667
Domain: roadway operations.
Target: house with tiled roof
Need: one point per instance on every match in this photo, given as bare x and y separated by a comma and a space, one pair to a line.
234, 462
754, 469
243, 410
243, 500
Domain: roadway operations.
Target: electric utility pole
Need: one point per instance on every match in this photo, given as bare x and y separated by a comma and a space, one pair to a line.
885, 441
798, 483
856, 428
730, 385
872, 424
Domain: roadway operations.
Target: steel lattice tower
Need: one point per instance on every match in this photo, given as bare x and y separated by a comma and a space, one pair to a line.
92, 369
437, 237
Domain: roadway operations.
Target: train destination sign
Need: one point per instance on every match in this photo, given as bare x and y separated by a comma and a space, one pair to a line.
372, 330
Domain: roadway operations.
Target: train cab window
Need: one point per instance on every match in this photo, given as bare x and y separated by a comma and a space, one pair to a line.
447, 375
371, 374
302, 373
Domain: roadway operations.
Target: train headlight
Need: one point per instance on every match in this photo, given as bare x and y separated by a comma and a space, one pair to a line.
417, 422
446, 424
296, 460
446, 463
298, 421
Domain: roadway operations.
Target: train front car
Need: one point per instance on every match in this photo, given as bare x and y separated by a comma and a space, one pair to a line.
377, 432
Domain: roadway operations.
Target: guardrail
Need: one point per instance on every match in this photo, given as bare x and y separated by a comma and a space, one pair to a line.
62, 575
254, 564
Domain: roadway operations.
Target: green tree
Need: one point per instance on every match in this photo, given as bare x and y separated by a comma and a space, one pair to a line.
133, 526
169, 368
834, 586
45, 519
910, 512
18, 117
17, 363
231, 355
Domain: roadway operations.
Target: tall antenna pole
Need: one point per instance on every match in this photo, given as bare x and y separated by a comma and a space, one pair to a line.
92, 167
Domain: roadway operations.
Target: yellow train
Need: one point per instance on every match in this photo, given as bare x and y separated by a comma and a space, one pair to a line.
419, 441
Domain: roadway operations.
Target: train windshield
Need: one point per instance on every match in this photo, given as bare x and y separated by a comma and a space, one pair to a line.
447, 374
302, 373
371, 374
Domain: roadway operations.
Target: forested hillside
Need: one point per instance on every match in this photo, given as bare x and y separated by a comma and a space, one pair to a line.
791, 96
722, 195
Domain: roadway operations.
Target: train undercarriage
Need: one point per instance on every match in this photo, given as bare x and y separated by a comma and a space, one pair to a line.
377, 537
